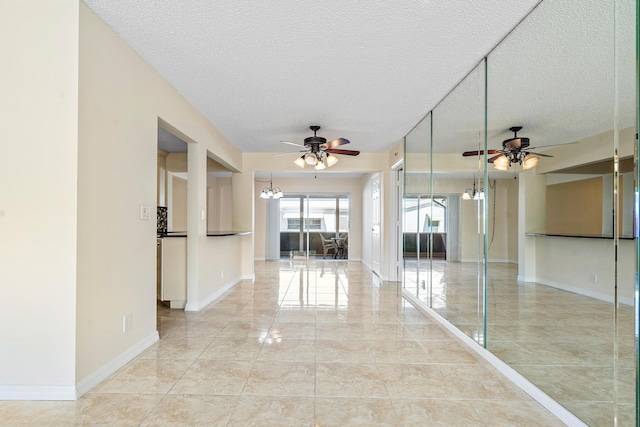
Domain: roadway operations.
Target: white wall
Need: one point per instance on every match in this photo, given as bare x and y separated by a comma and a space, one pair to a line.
38, 200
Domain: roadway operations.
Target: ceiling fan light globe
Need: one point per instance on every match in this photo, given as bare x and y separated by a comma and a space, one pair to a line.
331, 160
320, 166
466, 196
300, 161
530, 161
501, 161
311, 159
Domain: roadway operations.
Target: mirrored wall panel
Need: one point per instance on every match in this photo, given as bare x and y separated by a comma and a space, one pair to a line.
522, 203
416, 223
459, 181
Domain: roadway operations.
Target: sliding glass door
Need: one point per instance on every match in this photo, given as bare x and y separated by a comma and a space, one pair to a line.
314, 226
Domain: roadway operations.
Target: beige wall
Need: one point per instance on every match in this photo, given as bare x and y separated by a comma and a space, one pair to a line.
586, 266
178, 207
219, 204
122, 100
575, 207
38, 202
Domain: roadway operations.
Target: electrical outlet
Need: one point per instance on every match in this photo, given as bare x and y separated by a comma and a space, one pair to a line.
126, 323
145, 212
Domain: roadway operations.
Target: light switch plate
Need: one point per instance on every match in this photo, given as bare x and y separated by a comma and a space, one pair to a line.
145, 212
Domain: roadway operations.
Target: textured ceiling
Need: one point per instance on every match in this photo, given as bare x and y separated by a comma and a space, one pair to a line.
558, 74
262, 72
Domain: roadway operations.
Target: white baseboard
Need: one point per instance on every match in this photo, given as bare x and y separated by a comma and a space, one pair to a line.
212, 297
251, 277
259, 259
585, 292
491, 260
525, 279
540, 396
92, 380
102, 373
28, 392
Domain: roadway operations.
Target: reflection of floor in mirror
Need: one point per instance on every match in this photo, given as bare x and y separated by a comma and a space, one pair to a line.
561, 341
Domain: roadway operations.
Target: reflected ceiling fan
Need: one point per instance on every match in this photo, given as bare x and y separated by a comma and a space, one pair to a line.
320, 153
515, 150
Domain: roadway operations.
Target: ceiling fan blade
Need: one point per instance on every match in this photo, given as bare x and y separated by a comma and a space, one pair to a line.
551, 145
286, 154
539, 154
491, 159
480, 153
292, 143
337, 142
345, 152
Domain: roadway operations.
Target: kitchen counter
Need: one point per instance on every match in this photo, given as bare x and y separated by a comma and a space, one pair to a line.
209, 233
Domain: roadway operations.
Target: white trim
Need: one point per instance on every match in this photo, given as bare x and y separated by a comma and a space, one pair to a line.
92, 380
102, 373
259, 259
541, 397
27, 392
251, 277
585, 292
491, 260
212, 297
525, 279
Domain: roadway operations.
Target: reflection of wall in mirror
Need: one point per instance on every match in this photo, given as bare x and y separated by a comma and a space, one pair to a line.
579, 199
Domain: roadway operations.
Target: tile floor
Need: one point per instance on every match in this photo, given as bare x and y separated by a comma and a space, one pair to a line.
321, 343
561, 341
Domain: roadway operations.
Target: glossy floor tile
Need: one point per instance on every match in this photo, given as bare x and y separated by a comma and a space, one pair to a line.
560, 341
318, 343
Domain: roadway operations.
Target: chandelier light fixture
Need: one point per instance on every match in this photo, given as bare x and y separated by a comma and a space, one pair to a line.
271, 192
472, 193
